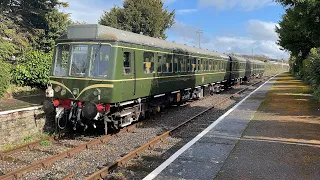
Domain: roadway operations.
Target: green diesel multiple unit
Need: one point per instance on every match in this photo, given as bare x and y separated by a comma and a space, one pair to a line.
105, 76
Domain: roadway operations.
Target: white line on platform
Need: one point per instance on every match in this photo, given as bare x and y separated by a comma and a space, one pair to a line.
160, 168
20, 110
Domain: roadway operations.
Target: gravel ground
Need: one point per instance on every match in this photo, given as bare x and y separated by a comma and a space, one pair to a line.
24, 158
90, 160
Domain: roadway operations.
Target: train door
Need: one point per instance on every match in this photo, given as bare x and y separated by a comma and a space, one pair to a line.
128, 74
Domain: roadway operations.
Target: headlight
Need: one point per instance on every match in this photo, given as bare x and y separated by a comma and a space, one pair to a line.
63, 92
97, 92
75, 91
57, 88
49, 92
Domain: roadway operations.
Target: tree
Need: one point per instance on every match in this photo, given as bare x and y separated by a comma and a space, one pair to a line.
30, 24
146, 16
298, 31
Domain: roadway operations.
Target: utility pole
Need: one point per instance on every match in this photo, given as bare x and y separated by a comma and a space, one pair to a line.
199, 31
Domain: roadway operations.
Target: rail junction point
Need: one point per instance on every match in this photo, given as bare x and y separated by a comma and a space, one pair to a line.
272, 134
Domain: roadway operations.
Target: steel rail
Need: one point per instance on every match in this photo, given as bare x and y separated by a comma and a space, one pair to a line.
100, 174
29, 146
45, 163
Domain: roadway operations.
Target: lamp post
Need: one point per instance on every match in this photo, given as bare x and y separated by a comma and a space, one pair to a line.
199, 31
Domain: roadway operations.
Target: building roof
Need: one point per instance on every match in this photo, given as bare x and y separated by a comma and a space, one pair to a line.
99, 32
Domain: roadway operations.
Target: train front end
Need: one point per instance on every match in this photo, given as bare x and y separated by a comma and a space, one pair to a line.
80, 88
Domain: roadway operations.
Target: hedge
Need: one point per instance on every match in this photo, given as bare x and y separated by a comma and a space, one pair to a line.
33, 70
4, 77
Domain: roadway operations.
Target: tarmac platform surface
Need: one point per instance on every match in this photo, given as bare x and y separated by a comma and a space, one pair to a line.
272, 134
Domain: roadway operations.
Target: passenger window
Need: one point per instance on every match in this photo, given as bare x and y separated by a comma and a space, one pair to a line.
183, 64
126, 63
160, 64
148, 62
167, 59
194, 64
202, 65
188, 64
176, 63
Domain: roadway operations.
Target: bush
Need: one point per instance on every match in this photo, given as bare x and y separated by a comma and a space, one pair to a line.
33, 70
4, 77
311, 71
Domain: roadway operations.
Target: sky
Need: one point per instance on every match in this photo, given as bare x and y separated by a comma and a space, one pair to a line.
229, 26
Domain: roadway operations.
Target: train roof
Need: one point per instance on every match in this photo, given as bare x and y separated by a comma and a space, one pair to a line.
238, 58
256, 61
100, 32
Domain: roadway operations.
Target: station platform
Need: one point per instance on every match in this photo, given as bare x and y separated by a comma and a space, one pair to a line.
7, 104
274, 133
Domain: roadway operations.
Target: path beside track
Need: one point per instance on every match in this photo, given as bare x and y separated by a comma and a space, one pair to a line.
283, 139
274, 134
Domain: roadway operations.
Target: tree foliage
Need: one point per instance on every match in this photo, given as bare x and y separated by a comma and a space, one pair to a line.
298, 31
28, 29
30, 24
33, 70
4, 77
146, 16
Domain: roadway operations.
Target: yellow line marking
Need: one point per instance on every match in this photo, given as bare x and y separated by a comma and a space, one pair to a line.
138, 79
60, 84
95, 86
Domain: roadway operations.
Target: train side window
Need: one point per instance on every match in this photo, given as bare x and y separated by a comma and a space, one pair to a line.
167, 59
194, 64
148, 62
222, 66
183, 63
126, 63
218, 65
188, 63
175, 63
160, 64
210, 64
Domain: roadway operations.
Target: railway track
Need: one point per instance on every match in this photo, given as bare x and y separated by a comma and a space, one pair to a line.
102, 173
47, 162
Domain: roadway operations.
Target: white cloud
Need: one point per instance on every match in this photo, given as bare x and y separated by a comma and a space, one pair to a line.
261, 30
246, 5
187, 31
185, 11
87, 11
262, 39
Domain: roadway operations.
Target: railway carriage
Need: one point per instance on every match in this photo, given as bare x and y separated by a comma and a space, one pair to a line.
257, 68
237, 68
107, 77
